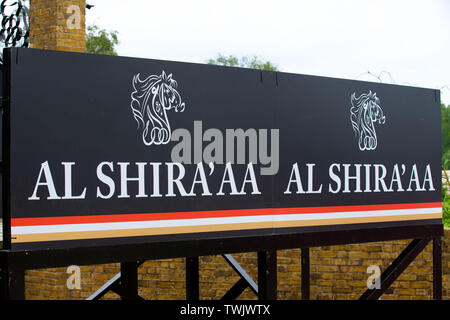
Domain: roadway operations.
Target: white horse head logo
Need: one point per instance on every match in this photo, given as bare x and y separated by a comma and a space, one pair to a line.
366, 111
150, 101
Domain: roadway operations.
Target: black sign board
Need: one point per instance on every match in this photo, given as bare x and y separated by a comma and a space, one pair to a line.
102, 150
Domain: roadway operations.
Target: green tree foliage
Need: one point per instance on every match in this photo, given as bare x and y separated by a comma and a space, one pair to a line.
101, 41
446, 201
445, 140
253, 62
445, 127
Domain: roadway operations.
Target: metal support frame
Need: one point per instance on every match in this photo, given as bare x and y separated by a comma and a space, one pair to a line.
112, 285
243, 283
267, 275
396, 268
12, 282
266, 289
14, 263
124, 283
305, 274
16, 285
129, 280
192, 279
437, 268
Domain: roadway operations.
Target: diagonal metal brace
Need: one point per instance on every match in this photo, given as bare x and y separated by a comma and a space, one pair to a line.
244, 282
396, 268
114, 284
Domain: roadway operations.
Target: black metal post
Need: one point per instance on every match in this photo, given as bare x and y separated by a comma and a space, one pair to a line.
12, 282
129, 281
3, 277
267, 275
12, 285
437, 269
305, 274
3, 288
17, 285
192, 278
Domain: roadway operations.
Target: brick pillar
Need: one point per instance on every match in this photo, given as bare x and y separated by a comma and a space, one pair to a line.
58, 25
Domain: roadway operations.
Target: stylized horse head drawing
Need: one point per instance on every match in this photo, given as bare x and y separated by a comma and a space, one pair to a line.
150, 101
366, 111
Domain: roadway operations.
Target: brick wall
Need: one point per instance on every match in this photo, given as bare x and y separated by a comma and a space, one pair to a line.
55, 25
337, 272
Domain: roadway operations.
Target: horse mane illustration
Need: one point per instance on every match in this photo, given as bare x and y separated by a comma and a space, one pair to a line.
366, 111
150, 101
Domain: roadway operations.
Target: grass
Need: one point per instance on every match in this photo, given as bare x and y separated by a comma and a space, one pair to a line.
446, 213
445, 201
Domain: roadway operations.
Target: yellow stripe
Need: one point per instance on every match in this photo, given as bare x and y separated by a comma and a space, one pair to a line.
304, 223
80, 235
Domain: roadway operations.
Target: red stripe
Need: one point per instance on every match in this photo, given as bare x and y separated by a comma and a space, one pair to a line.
21, 222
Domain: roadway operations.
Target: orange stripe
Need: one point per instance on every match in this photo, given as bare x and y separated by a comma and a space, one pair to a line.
20, 222
80, 235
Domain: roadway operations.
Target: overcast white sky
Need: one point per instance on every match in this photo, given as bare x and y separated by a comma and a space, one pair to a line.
410, 39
